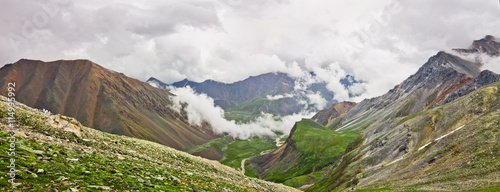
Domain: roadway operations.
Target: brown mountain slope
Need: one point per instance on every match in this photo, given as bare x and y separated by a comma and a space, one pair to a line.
328, 116
102, 99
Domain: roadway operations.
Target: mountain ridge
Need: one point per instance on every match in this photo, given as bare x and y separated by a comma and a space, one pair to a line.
103, 99
412, 115
395, 125
254, 94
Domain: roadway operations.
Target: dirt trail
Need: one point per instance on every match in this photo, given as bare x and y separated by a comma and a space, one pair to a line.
243, 166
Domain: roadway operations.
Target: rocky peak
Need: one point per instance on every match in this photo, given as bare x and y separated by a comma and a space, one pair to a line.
489, 45
156, 83
443, 60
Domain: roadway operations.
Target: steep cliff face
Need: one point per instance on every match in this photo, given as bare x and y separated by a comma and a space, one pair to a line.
102, 99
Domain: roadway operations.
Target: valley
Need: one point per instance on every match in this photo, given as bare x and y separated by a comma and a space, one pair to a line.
435, 131
249, 96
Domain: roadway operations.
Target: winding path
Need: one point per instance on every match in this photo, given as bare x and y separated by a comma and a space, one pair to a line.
243, 166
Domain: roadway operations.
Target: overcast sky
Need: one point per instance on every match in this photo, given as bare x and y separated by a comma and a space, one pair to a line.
379, 42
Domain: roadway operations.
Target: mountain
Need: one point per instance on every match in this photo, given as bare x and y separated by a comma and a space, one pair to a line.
310, 147
489, 45
58, 153
453, 147
414, 138
248, 89
407, 138
102, 99
328, 117
246, 99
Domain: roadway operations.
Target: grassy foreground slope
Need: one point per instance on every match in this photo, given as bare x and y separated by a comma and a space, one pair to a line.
57, 152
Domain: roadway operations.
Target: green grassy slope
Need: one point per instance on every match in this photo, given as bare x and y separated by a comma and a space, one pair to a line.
310, 149
244, 149
57, 152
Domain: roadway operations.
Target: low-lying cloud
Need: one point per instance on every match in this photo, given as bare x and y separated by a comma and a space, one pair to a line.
278, 97
379, 42
201, 108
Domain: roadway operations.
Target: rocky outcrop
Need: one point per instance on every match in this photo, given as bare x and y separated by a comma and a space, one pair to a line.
327, 116
489, 45
486, 77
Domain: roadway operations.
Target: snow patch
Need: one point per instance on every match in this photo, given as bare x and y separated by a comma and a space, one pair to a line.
440, 137
154, 84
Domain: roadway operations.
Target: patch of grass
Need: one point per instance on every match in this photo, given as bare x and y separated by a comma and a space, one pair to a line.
406, 118
236, 151
370, 190
431, 98
336, 123
492, 189
54, 170
406, 109
217, 143
251, 170
299, 181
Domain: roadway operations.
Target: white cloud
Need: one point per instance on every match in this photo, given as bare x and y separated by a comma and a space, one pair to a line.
491, 63
317, 100
278, 97
380, 42
201, 109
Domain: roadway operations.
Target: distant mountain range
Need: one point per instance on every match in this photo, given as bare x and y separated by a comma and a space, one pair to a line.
102, 99
424, 134
273, 93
